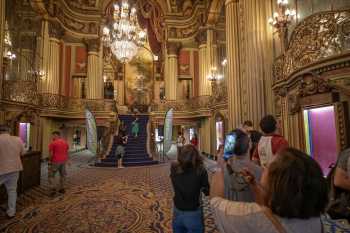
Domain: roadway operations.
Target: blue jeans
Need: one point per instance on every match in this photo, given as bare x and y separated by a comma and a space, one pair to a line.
188, 221
10, 182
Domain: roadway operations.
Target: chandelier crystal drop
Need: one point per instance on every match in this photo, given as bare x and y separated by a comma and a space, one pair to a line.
124, 35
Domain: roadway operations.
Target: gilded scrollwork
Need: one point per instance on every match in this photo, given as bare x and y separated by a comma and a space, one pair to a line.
21, 91
194, 104
320, 36
311, 85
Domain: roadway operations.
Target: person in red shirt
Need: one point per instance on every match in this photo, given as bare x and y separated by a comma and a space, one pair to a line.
194, 140
271, 143
58, 149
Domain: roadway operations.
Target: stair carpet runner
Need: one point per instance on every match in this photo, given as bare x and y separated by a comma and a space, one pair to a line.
136, 148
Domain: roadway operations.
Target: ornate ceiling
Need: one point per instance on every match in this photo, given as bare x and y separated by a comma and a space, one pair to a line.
166, 20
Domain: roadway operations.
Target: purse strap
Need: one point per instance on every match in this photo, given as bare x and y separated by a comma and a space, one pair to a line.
275, 222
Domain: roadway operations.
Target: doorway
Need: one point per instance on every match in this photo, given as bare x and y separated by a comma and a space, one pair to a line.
321, 136
24, 134
219, 125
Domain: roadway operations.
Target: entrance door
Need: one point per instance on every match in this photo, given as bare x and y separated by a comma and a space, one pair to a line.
24, 134
219, 133
321, 135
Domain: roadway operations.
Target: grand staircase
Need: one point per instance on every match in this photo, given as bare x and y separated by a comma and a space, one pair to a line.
136, 148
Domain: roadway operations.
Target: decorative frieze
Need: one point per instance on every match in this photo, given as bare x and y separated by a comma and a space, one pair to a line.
55, 30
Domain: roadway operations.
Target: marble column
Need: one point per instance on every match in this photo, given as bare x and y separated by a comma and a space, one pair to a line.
2, 34
94, 77
233, 65
43, 59
53, 66
171, 70
256, 59
212, 55
204, 87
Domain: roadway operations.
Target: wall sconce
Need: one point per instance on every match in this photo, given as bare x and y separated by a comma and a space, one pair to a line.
214, 75
281, 20
10, 55
224, 62
38, 74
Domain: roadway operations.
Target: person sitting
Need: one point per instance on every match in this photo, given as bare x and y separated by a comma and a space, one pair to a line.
236, 188
270, 143
189, 178
291, 198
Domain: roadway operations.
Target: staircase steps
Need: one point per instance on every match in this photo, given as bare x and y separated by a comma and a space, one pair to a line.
136, 148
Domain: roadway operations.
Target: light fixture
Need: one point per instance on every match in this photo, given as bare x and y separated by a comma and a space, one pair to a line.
10, 55
38, 74
284, 16
224, 62
124, 35
214, 75
281, 20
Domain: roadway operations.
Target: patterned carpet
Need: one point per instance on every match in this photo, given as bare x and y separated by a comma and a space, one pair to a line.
135, 200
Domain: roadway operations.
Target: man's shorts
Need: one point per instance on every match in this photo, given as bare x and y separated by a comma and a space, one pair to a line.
120, 152
57, 167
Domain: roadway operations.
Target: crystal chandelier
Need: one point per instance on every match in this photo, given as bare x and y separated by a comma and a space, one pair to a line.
124, 35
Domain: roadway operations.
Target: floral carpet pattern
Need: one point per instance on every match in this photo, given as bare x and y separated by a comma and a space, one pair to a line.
132, 200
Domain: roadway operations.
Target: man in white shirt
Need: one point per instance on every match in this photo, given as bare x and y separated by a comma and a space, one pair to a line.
11, 149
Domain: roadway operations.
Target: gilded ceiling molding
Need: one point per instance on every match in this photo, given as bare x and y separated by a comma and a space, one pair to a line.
39, 7
185, 28
214, 11
173, 48
93, 45
104, 4
55, 30
201, 36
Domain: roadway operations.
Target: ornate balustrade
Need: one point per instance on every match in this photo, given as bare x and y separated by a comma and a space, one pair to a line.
25, 92
59, 102
191, 105
21, 91
317, 38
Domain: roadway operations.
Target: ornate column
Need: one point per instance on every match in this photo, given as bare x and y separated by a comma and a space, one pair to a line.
256, 58
2, 34
94, 76
233, 65
212, 55
203, 84
171, 70
53, 66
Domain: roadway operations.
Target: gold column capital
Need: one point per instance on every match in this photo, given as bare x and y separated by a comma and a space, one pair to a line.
55, 30
93, 45
201, 37
228, 2
173, 48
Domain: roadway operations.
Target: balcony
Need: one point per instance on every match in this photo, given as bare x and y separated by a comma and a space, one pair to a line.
25, 93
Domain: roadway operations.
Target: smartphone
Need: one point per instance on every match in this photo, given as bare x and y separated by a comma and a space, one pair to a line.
230, 142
